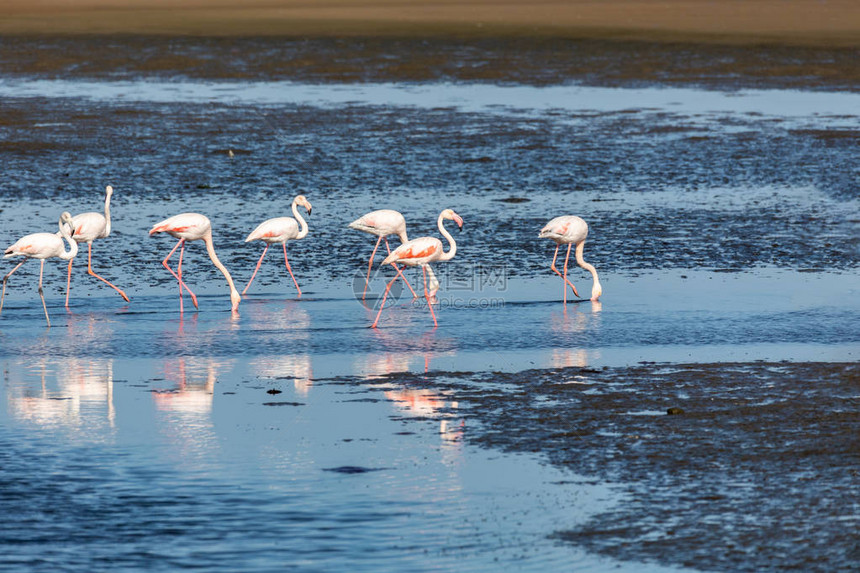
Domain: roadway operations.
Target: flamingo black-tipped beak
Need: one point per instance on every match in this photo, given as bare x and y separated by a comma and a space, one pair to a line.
309, 211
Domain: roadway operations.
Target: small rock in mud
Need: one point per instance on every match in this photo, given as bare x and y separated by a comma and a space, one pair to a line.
514, 200
352, 470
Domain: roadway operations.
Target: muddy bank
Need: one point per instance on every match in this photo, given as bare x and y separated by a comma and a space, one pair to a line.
752, 21
756, 469
529, 60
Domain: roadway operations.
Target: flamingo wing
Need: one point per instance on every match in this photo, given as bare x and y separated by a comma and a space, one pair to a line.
381, 223
416, 252
36, 246
565, 229
88, 226
189, 226
275, 230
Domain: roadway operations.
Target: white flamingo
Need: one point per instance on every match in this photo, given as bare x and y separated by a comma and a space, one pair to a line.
570, 230
86, 228
280, 230
193, 227
419, 253
42, 246
382, 223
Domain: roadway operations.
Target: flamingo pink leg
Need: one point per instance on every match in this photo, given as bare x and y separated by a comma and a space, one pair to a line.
6, 278
179, 276
256, 269
69, 282
555, 270
92, 273
427, 296
291, 270
565, 274
381, 306
400, 273
42, 293
370, 265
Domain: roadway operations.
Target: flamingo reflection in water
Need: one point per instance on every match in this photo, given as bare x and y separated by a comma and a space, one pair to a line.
574, 327
297, 367
195, 386
83, 386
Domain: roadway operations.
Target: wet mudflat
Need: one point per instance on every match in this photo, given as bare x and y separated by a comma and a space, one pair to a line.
731, 466
724, 223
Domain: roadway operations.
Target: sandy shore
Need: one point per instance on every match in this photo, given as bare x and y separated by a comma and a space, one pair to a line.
799, 22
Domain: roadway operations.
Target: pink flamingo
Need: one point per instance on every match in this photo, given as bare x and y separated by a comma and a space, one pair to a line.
570, 230
87, 227
419, 253
281, 230
42, 246
382, 223
191, 227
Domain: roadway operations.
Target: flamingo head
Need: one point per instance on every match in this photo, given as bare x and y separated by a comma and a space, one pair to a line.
109, 191
450, 214
596, 291
302, 200
66, 219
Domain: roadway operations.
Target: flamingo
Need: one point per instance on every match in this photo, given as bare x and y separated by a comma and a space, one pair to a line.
87, 227
570, 230
382, 223
191, 227
42, 246
281, 230
419, 253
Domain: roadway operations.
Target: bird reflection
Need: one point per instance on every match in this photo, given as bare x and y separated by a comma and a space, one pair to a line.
89, 330
428, 403
298, 367
75, 393
195, 386
403, 354
270, 315
186, 410
570, 327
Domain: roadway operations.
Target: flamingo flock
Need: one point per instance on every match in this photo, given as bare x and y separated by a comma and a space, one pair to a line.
567, 230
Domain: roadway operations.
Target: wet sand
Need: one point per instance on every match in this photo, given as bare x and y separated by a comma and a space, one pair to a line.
727, 467
800, 22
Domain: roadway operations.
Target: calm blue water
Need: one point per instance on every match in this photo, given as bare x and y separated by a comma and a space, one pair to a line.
135, 438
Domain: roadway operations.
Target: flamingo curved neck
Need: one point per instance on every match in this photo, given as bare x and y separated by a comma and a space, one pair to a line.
107, 216
210, 248
303, 225
580, 247
447, 256
73, 245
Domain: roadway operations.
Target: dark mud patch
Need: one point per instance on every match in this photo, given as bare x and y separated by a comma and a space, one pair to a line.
285, 403
495, 60
759, 471
353, 470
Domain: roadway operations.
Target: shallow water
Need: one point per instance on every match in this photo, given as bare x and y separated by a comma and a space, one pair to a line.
724, 226
116, 464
